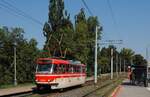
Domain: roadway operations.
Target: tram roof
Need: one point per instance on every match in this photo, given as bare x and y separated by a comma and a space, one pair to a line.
53, 61
59, 61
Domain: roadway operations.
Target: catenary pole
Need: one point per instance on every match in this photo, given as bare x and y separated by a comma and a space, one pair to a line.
120, 65
15, 71
111, 63
95, 73
117, 64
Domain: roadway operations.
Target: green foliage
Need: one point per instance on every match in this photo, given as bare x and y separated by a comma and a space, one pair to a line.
127, 53
64, 40
81, 32
127, 56
104, 64
139, 60
58, 30
26, 55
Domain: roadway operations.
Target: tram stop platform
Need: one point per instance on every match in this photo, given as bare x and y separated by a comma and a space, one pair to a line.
128, 90
16, 90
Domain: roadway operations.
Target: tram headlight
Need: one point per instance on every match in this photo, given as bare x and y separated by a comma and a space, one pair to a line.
50, 80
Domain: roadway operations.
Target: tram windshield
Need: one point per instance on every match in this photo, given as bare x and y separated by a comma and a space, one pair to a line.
44, 68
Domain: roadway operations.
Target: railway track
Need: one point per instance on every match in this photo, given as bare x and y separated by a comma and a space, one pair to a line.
78, 91
43, 92
84, 91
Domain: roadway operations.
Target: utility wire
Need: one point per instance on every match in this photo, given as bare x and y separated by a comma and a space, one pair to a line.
90, 12
113, 17
112, 13
23, 13
8, 10
19, 12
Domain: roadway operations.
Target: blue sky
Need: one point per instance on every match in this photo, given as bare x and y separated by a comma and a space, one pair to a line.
132, 19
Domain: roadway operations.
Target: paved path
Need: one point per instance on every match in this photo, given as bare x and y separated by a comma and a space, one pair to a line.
15, 90
128, 90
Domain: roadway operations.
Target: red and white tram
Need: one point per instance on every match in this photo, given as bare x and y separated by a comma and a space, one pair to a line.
58, 73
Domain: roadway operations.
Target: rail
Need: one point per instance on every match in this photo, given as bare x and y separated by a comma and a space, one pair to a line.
88, 88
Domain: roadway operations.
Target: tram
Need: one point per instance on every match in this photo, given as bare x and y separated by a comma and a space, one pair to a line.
58, 74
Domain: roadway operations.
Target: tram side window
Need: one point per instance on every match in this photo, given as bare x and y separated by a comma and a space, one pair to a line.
74, 69
63, 68
60, 69
83, 69
55, 69
67, 68
71, 69
77, 69
80, 69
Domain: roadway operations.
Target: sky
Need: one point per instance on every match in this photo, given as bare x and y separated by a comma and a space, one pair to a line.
130, 21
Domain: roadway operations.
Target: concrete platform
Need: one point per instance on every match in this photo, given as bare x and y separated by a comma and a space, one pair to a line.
128, 90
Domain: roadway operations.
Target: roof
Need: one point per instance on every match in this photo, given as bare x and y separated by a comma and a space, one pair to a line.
53, 61
58, 61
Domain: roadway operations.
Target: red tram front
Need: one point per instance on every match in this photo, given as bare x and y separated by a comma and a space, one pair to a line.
58, 73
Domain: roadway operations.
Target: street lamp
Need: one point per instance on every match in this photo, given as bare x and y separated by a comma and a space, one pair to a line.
15, 79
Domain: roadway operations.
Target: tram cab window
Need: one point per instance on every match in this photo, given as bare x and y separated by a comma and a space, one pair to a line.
44, 68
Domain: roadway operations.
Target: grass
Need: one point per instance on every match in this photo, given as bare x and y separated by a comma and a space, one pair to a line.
112, 87
12, 86
107, 90
35, 95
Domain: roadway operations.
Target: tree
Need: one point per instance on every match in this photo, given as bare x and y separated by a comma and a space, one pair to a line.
26, 55
127, 54
105, 58
64, 40
104, 64
139, 60
85, 39
58, 30
81, 30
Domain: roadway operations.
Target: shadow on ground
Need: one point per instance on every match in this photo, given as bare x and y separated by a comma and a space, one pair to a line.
48, 90
128, 83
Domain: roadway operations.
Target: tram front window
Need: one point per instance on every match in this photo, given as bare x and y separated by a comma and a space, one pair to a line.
46, 68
